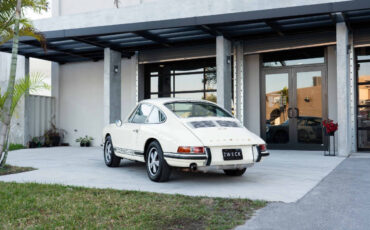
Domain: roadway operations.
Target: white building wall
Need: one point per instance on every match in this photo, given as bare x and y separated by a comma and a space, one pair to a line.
81, 100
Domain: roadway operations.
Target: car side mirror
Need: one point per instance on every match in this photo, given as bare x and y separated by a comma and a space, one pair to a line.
118, 123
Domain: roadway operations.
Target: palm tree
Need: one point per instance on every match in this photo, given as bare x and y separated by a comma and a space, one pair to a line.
28, 84
13, 25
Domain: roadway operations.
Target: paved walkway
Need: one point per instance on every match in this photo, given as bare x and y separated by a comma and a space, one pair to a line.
284, 176
340, 201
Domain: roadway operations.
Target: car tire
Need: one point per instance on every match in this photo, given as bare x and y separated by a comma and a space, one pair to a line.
235, 172
110, 159
157, 168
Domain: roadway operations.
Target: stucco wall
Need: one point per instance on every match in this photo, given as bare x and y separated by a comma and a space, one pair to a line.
81, 100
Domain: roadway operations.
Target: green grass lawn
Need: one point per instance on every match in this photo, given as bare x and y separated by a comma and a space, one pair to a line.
9, 169
13, 147
38, 206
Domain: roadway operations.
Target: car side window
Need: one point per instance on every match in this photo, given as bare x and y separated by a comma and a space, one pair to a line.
156, 116
142, 113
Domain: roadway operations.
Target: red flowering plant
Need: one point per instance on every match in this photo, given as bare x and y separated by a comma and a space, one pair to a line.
330, 127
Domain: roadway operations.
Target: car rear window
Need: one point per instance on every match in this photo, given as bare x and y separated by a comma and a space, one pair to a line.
196, 109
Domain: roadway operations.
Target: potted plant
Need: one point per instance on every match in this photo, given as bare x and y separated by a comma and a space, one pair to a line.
85, 141
35, 143
54, 136
330, 127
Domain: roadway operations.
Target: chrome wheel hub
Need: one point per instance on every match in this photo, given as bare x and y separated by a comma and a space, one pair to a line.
153, 161
108, 152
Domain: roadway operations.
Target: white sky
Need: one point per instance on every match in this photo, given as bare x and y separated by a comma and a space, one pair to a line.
32, 15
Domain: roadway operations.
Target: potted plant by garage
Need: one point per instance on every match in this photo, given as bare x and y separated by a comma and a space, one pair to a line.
330, 129
54, 136
85, 141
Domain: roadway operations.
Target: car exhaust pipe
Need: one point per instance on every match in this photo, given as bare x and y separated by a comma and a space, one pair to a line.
193, 167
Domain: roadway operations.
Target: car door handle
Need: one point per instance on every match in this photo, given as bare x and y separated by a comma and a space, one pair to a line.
135, 130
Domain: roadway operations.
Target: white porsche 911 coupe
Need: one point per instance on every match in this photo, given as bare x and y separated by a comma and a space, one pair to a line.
194, 134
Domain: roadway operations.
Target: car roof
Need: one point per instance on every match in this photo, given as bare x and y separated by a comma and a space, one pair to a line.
161, 101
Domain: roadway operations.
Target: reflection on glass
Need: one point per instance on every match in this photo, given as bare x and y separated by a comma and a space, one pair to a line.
307, 61
364, 139
189, 71
277, 104
293, 58
189, 82
309, 105
154, 84
364, 72
197, 96
211, 96
363, 117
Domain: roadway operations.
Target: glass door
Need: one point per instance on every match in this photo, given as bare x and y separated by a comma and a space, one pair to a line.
277, 111
308, 107
363, 101
294, 108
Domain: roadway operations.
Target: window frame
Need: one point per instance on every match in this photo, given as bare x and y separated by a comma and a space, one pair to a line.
151, 111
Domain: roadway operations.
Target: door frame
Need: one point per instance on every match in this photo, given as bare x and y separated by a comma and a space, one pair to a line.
292, 75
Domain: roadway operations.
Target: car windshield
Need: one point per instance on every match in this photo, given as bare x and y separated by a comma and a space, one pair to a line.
196, 109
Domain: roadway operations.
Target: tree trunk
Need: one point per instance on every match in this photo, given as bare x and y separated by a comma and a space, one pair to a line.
5, 116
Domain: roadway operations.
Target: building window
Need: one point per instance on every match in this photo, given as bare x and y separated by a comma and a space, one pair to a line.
192, 79
299, 57
363, 98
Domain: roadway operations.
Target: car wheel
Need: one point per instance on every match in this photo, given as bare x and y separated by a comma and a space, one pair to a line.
110, 159
157, 168
235, 172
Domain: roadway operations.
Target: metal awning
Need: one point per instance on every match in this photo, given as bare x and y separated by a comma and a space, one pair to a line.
87, 44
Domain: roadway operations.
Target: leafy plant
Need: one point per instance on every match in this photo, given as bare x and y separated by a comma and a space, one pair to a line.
54, 136
85, 141
13, 146
12, 26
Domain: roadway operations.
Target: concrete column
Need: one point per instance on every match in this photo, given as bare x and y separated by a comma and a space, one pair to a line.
352, 94
55, 91
343, 91
223, 62
26, 114
112, 86
239, 92
252, 86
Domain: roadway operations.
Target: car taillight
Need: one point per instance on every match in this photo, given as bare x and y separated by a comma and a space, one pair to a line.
188, 149
262, 148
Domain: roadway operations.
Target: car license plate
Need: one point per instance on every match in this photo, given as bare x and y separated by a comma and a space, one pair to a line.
232, 154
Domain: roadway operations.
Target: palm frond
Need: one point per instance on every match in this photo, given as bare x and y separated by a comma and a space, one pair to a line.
7, 20
32, 84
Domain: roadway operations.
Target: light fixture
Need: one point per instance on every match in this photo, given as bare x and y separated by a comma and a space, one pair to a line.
115, 69
228, 59
307, 99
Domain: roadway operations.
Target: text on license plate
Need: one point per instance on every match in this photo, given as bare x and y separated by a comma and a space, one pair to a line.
232, 154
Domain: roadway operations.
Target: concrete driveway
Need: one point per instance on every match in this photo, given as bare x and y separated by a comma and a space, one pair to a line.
284, 176
341, 201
